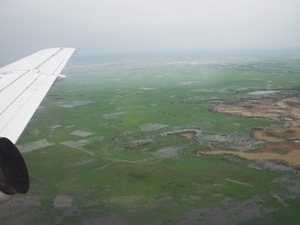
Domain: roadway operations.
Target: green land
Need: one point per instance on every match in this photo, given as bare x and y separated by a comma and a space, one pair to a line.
104, 149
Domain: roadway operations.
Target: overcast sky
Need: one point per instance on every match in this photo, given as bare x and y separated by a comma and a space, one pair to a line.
130, 26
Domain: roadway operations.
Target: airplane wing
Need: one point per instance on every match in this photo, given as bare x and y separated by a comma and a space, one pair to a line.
23, 85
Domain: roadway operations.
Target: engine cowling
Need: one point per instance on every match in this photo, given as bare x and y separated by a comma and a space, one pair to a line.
14, 176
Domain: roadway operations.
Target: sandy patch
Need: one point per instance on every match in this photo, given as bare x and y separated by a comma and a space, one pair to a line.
126, 133
81, 133
146, 88
35, 132
291, 158
203, 90
191, 82
34, 145
55, 126
167, 152
138, 142
272, 109
262, 92
62, 201
112, 115
74, 104
285, 138
152, 126
77, 145
17, 202
15, 207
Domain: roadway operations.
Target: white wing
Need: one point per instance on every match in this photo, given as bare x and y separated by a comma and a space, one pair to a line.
24, 84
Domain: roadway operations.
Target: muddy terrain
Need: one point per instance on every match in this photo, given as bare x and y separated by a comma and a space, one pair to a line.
283, 143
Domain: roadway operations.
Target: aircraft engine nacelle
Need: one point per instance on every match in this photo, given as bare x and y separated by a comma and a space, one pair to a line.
14, 176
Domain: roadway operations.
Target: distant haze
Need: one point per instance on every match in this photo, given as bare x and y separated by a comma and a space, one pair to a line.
137, 26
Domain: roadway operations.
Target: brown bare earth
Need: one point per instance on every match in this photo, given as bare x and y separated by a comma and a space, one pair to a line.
186, 134
283, 142
291, 158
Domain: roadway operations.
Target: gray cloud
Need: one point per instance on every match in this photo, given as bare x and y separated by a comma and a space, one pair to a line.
119, 26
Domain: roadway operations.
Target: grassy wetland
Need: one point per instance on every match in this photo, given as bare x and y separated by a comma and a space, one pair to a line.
193, 139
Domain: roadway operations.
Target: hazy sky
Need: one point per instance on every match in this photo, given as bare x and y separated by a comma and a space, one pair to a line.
131, 26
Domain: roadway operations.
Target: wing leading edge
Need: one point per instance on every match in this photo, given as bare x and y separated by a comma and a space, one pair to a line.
23, 85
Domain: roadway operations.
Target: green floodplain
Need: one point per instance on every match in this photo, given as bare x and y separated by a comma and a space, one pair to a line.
102, 147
